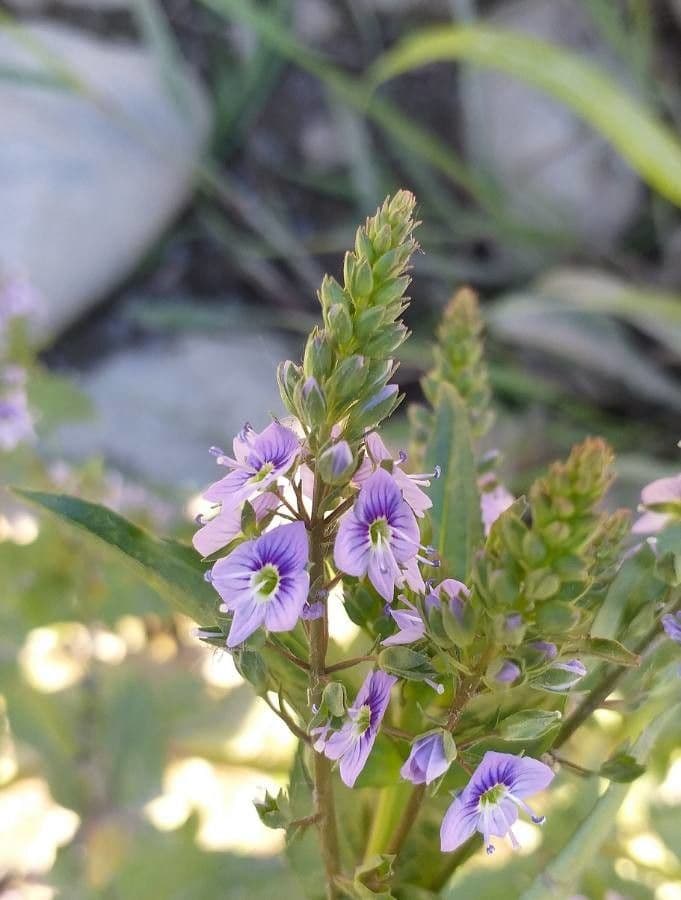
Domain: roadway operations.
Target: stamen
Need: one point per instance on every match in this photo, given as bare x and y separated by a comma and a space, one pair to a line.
216, 451
489, 849
208, 576
402, 455
538, 820
438, 688
515, 843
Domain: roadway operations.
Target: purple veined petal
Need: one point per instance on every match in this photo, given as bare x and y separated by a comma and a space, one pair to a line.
499, 818
340, 742
218, 532
232, 489
412, 577
287, 547
383, 571
379, 498
416, 498
528, 776
376, 449
354, 759
264, 504
410, 624
232, 574
352, 547
460, 822
248, 617
286, 606
405, 538
276, 445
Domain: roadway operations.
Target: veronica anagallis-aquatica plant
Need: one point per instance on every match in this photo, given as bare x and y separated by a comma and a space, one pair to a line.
489, 628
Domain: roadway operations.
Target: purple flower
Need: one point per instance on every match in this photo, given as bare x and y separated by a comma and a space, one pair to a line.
217, 532
672, 625
490, 801
352, 744
259, 459
18, 298
410, 485
264, 582
494, 500
661, 501
454, 593
410, 625
16, 421
427, 759
378, 536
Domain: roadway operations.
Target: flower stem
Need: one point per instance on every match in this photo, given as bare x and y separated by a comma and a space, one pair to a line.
465, 690
321, 773
348, 663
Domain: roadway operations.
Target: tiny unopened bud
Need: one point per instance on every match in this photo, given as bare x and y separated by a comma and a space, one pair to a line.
379, 406
312, 403
336, 464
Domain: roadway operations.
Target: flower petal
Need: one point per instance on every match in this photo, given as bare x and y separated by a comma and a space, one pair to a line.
352, 547
286, 607
460, 823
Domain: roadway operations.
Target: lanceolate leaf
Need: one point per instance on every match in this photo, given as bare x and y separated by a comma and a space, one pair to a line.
173, 569
457, 527
646, 143
604, 648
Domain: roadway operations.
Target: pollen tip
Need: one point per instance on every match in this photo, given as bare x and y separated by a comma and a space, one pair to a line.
216, 451
403, 456
489, 849
437, 471
208, 576
199, 519
538, 820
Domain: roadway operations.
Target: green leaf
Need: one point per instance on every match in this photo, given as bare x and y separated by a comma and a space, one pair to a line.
457, 528
622, 768
406, 663
647, 144
609, 650
528, 724
382, 768
173, 569
633, 587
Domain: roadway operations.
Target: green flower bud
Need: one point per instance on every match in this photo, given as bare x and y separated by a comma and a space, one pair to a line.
312, 404
318, 358
335, 698
339, 324
289, 377
336, 464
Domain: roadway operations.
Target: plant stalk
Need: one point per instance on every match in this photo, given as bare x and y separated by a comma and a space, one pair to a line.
321, 767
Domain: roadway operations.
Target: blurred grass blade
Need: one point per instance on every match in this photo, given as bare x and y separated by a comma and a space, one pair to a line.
646, 143
561, 876
173, 569
457, 527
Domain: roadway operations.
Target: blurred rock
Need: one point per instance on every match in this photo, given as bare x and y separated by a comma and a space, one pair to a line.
88, 183
161, 407
553, 167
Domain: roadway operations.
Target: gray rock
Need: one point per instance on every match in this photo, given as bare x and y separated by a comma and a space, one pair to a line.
161, 407
88, 180
554, 169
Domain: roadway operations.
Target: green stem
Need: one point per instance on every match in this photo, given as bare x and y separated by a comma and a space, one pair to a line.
389, 809
325, 812
465, 690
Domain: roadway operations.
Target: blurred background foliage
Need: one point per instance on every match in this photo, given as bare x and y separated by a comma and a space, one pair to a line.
541, 138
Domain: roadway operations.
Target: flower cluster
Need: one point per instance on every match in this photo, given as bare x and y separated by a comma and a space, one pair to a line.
320, 504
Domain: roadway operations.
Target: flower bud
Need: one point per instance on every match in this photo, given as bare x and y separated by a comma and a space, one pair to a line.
503, 673
336, 464
312, 404
318, 358
560, 676
335, 698
339, 324
379, 406
289, 376
430, 756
